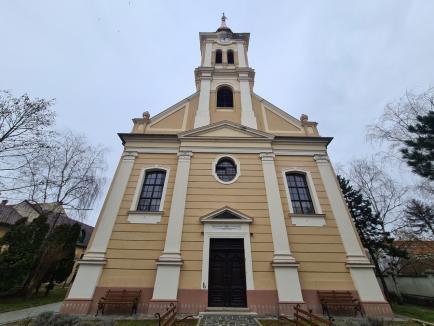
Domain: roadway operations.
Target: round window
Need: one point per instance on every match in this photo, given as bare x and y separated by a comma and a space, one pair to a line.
226, 169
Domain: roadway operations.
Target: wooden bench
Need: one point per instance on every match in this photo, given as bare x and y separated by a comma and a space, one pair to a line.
304, 317
338, 301
169, 317
119, 297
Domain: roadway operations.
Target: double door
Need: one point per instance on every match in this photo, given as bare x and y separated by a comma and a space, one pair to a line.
227, 275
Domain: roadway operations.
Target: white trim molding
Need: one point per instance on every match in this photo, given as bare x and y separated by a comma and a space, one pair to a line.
308, 219
284, 264
169, 263
227, 228
237, 164
145, 217
91, 266
310, 185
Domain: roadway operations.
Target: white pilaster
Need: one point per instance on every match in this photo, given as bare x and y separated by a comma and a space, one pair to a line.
93, 261
285, 267
169, 263
207, 57
247, 115
241, 55
362, 271
202, 113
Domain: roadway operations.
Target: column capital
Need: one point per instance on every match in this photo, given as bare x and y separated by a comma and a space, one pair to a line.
269, 156
129, 156
185, 155
321, 158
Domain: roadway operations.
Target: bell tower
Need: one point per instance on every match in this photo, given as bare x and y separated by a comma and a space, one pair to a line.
224, 79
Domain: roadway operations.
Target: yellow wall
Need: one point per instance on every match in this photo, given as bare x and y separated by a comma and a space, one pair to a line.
133, 248
319, 250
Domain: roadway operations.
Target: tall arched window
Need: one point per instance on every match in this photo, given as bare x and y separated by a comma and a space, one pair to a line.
152, 191
301, 199
230, 55
225, 98
218, 56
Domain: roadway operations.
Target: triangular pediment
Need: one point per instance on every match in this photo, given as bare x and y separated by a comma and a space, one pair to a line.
226, 129
226, 215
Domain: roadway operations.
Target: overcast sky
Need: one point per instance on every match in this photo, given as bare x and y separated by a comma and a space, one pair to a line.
105, 62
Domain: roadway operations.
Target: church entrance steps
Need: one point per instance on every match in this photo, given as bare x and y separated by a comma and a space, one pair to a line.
225, 319
229, 310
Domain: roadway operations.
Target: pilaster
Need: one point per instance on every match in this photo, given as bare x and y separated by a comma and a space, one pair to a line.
284, 264
362, 271
169, 263
202, 113
247, 115
91, 265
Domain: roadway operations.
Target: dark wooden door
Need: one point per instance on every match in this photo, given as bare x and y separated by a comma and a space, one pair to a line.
227, 275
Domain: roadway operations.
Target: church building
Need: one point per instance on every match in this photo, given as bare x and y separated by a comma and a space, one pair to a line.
224, 201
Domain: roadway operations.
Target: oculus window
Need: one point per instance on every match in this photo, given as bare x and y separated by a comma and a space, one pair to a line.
226, 169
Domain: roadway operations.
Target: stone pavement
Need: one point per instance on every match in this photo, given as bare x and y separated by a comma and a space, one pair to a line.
228, 320
11, 316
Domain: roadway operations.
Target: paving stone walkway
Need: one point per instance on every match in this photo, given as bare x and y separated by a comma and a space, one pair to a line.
228, 320
11, 316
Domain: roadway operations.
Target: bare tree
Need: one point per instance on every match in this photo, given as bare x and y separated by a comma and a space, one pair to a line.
24, 128
69, 171
392, 125
385, 194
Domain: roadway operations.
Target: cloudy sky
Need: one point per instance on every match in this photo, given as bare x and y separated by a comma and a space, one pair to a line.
105, 62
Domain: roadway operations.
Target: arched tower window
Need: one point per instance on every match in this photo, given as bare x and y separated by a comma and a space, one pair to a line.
230, 54
301, 199
225, 98
218, 56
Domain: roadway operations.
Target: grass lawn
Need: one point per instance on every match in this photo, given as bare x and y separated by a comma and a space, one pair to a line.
17, 303
419, 312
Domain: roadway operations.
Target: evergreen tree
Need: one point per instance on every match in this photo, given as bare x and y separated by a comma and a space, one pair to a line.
420, 217
419, 153
370, 228
20, 246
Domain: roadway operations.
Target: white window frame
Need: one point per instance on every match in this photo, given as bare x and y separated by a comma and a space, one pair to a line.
147, 217
237, 163
310, 185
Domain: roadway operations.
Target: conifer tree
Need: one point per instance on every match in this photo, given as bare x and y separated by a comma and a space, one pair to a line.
370, 228
419, 153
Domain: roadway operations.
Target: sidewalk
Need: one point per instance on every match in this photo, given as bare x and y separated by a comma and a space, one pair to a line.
11, 316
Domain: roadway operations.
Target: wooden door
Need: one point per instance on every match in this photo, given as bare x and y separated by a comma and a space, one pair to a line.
227, 275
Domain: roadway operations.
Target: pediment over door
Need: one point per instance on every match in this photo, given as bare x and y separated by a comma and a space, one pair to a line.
226, 215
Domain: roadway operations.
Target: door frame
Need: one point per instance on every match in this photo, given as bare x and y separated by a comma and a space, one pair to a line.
227, 230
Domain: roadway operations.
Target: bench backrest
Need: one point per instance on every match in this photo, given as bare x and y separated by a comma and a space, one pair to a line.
168, 318
304, 317
122, 295
335, 296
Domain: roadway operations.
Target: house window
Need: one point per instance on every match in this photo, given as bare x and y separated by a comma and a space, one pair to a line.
230, 54
82, 236
226, 169
301, 199
152, 191
225, 98
218, 56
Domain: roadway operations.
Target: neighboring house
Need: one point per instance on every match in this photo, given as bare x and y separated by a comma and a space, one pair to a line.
420, 257
224, 201
10, 214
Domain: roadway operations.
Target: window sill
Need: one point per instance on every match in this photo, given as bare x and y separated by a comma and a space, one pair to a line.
140, 217
308, 219
225, 108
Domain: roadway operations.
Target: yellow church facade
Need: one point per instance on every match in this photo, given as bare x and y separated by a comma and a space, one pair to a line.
224, 201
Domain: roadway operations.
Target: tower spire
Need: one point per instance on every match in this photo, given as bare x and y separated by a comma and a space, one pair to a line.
223, 26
